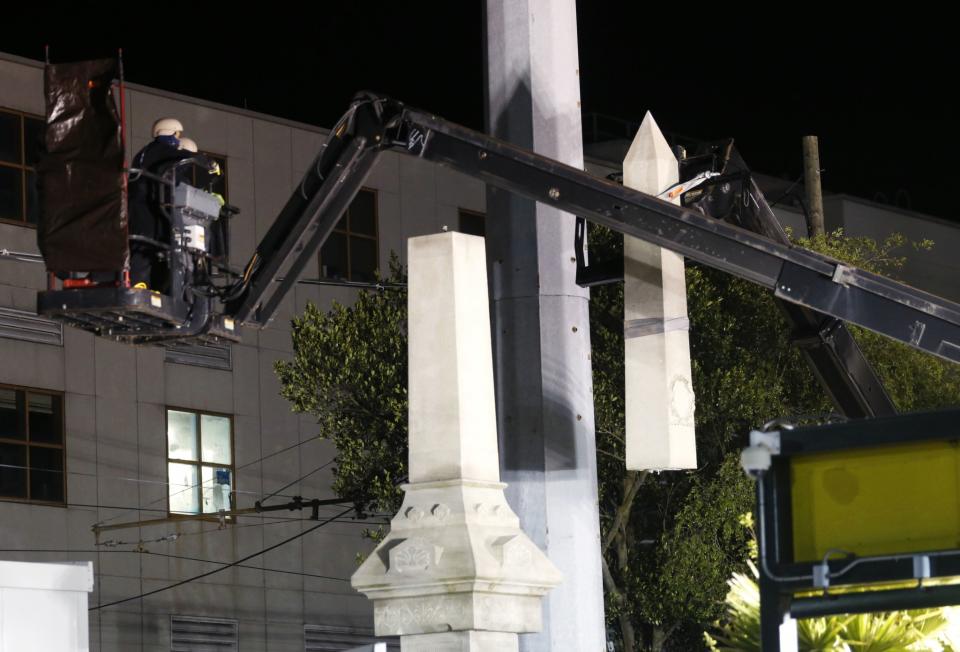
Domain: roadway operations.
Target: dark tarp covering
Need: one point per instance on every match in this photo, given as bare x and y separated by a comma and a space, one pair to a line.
83, 209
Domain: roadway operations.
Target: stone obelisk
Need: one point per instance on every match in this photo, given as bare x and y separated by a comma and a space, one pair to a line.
658, 381
456, 573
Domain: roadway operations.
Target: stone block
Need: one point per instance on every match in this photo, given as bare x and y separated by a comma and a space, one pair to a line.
453, 431
455, 560
460, 642
657, 376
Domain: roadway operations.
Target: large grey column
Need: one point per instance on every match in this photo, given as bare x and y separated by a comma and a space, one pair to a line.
541, 333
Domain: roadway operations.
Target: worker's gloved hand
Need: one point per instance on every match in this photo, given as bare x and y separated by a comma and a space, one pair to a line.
215, 168
219, 198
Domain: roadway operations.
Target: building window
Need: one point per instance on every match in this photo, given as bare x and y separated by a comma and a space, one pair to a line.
210, 182
31, 446
200, 464
471, 222
350, 253
21, 137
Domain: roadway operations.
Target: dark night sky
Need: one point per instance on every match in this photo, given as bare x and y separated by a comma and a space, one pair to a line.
880, 96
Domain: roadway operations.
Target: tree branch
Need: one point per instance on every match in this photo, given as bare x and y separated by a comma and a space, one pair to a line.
613, 455
626, 625
632, 485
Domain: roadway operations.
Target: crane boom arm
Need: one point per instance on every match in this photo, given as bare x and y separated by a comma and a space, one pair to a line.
798, 276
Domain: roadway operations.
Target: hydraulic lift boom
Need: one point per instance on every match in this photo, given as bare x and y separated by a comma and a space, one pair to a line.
816, 293
800, 277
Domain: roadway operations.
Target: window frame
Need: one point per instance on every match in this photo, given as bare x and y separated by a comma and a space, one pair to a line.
22, 167
200, 463
24, 419
348, 234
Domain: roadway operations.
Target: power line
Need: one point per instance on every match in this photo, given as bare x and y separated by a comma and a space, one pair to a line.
169, 556
225, 563
297, 501
242, 466
303, 477
223, 568
137, 480
212, 515
173, 536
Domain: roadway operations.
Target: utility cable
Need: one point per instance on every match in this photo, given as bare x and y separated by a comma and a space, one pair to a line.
169, 556
200, 484
275, 493
124, 479
222, 568
275, 520
290, 484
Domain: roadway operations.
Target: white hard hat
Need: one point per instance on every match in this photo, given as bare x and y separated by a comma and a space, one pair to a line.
188, 144
167, 127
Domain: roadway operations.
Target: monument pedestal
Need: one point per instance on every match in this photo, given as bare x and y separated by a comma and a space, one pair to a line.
456, 572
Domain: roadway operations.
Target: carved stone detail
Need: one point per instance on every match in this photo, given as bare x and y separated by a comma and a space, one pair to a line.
414, 555
512, 551
517, 553
397, 619
441, 511
414, 513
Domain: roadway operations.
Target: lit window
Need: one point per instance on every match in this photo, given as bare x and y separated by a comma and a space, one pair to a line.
199, 462
350, 253
31, 445
21, 137
472, 222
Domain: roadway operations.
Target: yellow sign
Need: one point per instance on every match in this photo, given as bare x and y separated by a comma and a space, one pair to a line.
876, 501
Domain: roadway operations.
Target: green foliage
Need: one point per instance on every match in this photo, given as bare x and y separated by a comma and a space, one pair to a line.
350, 371
745, 372
914, 380
680, 543
698, 551
899, 631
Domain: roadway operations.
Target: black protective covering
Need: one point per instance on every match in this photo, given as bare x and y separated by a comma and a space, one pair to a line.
83, 208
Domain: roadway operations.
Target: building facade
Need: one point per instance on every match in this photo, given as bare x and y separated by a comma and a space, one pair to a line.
92, 431
96, 432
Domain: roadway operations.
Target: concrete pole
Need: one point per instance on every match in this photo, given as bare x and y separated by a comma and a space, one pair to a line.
541, 333
811, 182
657, 377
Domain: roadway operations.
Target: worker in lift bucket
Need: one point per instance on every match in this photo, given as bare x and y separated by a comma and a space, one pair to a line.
204, 173
145, 197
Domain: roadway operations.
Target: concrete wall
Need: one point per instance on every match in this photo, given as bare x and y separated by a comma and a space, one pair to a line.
116, 395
